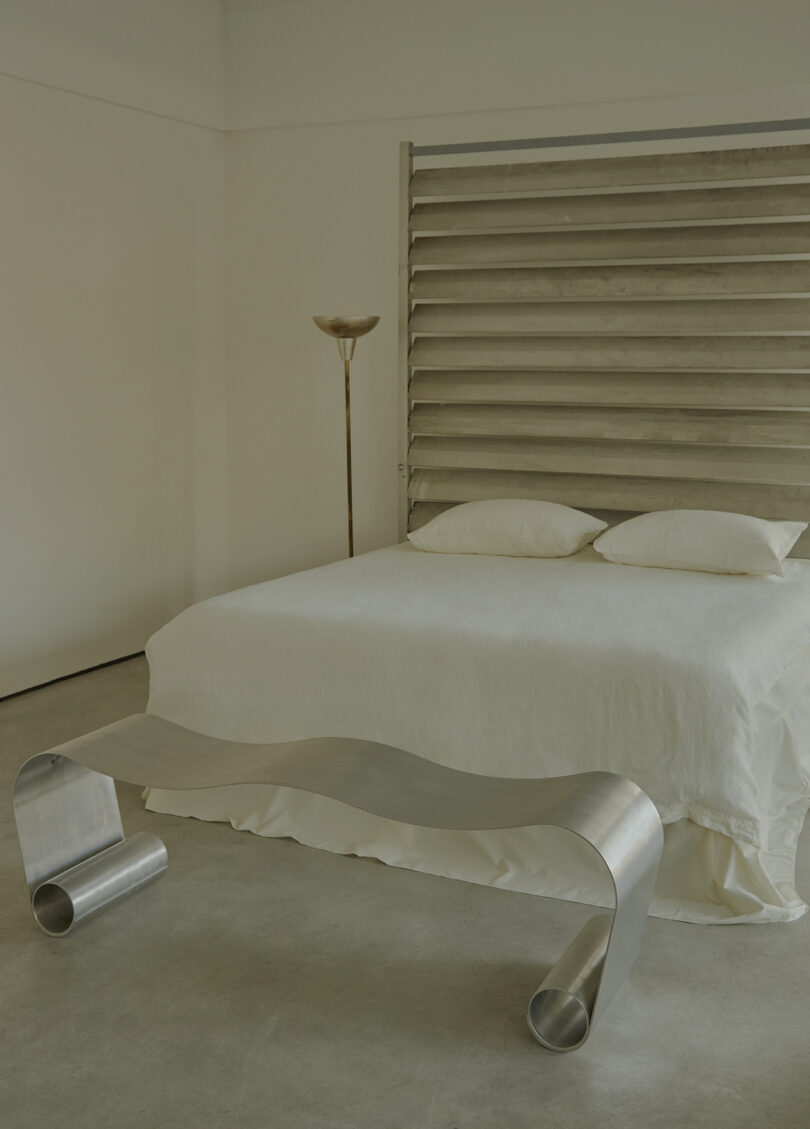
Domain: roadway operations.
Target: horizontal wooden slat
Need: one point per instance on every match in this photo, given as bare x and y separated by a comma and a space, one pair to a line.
739, 317
787, 503
785, 466
671, 389
703, 353
674, 425
423, 512
724, 242
774, 202
692, 280
770, 162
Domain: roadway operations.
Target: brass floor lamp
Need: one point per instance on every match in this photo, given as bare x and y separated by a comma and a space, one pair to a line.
347, 329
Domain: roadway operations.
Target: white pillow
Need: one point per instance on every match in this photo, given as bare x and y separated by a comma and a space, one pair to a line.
702, 540
508, 527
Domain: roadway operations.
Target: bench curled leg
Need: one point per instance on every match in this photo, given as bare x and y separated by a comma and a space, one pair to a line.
621, 823
75, 856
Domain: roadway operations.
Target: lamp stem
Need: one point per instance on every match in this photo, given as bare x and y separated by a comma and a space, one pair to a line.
346, 364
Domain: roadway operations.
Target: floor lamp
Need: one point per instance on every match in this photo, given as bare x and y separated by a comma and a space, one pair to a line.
347, 330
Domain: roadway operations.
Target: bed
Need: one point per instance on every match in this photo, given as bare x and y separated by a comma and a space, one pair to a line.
622, 334
695, 686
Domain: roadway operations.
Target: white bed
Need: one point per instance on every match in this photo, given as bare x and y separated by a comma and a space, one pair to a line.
696, 686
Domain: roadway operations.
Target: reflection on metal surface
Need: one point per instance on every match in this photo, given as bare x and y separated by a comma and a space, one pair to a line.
77, 861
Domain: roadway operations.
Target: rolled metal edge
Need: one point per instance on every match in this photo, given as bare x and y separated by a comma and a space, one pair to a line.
66, 900
560, 1011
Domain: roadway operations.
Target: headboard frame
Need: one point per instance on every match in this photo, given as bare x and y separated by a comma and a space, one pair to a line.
618, 334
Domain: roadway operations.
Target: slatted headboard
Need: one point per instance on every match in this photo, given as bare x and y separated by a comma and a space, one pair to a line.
617, 334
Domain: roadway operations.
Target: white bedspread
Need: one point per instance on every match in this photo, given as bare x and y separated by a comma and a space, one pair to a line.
695, 686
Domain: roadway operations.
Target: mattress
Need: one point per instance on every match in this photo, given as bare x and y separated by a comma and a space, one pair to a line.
696, 686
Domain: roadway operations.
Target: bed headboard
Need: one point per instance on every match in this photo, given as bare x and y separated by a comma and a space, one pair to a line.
618, 334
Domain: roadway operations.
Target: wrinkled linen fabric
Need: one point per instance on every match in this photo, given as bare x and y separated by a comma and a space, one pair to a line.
694, 685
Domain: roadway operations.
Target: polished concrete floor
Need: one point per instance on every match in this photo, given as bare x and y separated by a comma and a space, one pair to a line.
265, 985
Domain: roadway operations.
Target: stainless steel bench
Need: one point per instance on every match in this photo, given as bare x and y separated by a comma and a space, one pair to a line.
77, 860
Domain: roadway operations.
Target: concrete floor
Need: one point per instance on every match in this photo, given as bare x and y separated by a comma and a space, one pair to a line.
266, 985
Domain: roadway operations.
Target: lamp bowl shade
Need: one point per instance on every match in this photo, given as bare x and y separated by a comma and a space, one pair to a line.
346, 325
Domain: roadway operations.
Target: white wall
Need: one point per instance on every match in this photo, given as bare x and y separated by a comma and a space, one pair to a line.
312, 207
112, 462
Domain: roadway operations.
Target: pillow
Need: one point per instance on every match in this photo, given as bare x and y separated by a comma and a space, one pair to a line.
508, 527
702, 540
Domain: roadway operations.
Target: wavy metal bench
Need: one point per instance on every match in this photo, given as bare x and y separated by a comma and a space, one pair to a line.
77, 860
